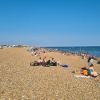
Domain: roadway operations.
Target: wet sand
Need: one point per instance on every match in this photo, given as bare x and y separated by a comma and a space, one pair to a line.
20, 81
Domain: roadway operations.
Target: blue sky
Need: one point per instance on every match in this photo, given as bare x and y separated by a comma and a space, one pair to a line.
50, 22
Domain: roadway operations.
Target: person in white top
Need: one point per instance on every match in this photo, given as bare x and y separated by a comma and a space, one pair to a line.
90, 61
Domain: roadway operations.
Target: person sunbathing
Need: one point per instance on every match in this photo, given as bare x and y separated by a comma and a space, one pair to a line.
91, 71
44, 61
51, 62
40, 61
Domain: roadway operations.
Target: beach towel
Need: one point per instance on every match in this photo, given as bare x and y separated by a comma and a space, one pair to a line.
82, 76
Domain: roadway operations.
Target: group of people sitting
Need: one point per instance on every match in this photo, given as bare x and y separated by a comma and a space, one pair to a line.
51, 62
43, 62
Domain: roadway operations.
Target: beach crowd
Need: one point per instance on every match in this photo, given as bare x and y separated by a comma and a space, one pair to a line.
89, 70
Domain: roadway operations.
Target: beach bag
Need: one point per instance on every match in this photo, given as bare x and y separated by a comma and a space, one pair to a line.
84, 71
65, 66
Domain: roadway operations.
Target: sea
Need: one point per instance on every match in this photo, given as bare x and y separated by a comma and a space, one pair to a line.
91, 50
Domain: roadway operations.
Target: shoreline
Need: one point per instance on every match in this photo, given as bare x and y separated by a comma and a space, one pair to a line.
73, 53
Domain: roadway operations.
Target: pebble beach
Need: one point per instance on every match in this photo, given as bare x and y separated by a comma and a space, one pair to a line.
20, 81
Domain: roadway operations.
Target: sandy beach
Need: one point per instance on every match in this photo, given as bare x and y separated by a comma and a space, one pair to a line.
20, 81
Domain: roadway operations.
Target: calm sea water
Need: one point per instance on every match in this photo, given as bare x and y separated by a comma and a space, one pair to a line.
92, 50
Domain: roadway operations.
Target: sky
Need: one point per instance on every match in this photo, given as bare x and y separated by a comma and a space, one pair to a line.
50, 22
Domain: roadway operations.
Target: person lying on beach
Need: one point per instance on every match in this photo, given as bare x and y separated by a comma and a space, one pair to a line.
40, 61
37, 63
51, 62
43, 62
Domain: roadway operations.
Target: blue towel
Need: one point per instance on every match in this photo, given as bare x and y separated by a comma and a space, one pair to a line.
65, 66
